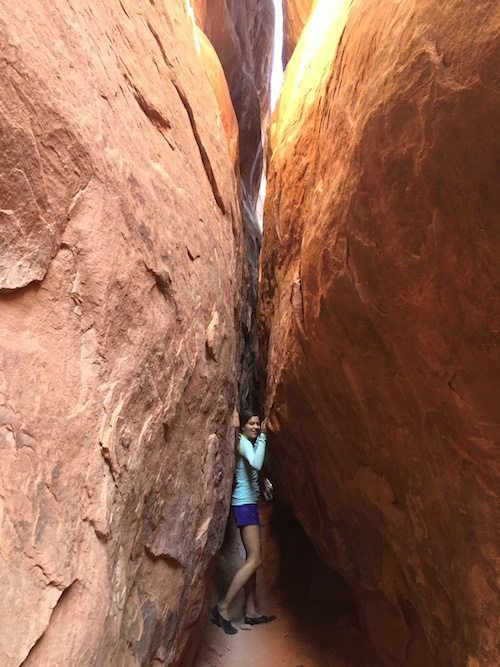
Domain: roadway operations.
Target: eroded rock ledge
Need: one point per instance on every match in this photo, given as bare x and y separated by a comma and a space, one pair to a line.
379, 315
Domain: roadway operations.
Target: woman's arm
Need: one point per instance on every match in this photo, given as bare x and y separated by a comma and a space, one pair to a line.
254, 456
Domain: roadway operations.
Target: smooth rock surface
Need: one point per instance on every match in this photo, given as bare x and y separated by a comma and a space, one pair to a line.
295, 15
122, 270
242, 35
380, 317
218, 80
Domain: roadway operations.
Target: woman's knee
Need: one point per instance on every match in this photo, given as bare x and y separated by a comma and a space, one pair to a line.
255, 561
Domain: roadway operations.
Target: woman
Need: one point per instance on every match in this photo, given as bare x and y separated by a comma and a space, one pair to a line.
249, 460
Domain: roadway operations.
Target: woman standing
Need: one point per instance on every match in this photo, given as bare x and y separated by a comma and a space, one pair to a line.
249, 460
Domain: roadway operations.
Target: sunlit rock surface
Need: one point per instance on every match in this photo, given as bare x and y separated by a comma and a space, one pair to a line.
242, 35
295, 15
379, 316
121, 268
217, 78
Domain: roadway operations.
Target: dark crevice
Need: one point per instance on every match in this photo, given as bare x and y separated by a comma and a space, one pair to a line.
151, 112
169, 559
297, 300
160, 45
163, 282
203, 153
124, 10
61, 599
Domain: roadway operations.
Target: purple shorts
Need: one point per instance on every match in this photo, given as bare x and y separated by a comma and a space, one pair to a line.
246, 515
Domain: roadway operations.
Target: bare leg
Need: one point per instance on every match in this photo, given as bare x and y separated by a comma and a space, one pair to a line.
250, 586
251, 541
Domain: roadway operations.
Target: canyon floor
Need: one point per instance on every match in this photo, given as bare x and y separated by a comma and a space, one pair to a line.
316, 620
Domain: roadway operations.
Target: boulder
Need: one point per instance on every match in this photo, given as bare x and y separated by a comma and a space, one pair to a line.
121, 274
379, 316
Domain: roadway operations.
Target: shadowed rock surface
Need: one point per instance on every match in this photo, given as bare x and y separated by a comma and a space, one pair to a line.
379, 316
122, 273
241, 34
316, 622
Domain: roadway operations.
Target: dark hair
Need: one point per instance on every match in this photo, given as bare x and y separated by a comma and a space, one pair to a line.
246, 415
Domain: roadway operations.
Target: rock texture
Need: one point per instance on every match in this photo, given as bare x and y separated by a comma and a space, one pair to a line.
295, 15
380, 316
217, 78
242, 35
121, 270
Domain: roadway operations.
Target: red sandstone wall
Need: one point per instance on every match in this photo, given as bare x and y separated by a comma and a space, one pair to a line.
121, 269
242, 35
380, 316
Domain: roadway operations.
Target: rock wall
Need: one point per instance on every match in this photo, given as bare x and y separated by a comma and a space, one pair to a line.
241, 34
122, 275
295, 15
379, 316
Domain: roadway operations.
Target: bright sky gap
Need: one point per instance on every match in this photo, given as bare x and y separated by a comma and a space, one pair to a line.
277, 71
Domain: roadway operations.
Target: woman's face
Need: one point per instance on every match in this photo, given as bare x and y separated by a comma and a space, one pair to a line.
251, 429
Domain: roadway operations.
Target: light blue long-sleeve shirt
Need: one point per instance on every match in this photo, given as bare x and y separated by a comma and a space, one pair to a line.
248, 462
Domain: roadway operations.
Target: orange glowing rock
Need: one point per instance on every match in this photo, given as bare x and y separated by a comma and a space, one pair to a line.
380, 315
242, 36
227, 116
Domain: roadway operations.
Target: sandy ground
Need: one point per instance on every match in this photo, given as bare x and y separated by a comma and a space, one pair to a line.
316, 621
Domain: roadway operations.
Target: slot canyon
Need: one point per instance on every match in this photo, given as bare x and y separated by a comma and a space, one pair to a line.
173, 249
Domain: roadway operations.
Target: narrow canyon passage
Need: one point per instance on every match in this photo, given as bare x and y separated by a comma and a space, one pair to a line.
316, 621
142, 306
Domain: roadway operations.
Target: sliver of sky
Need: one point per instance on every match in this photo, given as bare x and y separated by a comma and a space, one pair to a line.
277, 71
